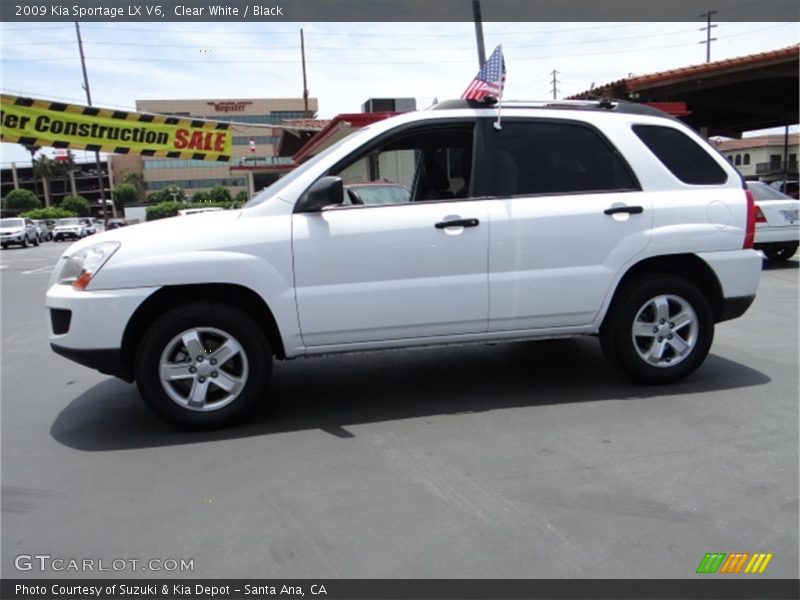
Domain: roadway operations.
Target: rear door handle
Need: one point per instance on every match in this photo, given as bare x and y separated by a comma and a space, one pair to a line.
631, 210
458, 223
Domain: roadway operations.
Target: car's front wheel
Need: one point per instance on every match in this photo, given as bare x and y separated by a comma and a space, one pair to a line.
203, 365
659, 329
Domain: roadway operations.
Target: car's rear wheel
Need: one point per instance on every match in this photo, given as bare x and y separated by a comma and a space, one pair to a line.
203, 365
659, 329
781, 253
36, 240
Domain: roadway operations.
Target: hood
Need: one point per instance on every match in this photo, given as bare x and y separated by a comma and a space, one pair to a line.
173, 234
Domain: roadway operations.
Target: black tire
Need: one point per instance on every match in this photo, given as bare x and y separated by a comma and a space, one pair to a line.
663, 354
4, 246
781, 253
212, 322
36, 241
24, 243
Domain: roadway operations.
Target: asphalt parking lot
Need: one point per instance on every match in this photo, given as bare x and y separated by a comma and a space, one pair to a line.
507, 461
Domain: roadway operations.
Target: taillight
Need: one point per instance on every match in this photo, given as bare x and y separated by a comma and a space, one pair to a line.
760, 218
750, 230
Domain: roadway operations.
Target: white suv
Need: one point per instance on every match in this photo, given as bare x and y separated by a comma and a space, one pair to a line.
584, 218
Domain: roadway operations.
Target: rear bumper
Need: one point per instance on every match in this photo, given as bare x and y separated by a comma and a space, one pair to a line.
733, 308
776, 235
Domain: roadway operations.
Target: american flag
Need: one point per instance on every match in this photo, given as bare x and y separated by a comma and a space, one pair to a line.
490, 79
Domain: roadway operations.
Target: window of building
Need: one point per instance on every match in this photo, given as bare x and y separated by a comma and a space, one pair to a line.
556, 158
685, 159
187, 184
746, 159
738, 160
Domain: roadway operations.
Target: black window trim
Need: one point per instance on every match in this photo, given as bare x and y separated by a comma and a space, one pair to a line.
491, 147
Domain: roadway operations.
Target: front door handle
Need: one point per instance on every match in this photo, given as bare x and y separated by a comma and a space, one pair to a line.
457, 223
631, 210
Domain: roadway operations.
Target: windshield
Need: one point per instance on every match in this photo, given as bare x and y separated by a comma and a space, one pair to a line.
12, 223
284, 181
68, 222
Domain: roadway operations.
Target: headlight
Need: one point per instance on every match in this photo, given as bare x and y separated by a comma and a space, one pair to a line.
79, 268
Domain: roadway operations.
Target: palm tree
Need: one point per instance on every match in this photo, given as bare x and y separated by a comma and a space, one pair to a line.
33, 150
136, 180
46, 168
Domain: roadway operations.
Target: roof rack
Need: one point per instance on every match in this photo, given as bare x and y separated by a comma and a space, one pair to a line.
615, 105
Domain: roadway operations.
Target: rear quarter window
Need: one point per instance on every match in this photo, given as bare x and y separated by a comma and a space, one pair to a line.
685, 158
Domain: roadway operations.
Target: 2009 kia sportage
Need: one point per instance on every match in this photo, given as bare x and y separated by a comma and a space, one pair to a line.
581, 218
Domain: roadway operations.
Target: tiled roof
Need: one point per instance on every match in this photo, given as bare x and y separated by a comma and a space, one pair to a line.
670, 76
730, 64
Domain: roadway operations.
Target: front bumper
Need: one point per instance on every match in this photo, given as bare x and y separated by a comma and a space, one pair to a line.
107, 361
67, 234
15, 238
92, 333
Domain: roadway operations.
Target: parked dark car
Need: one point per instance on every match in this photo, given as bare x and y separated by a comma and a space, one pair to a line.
116, 224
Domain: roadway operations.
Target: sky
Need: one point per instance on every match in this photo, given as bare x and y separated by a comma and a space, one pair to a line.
347, 63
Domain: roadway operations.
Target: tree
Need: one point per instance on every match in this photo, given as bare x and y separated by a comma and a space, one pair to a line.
219, 193
77, 204
240, 198
198, 197
45, 167
136, 180
54, 212
124, 193
163, 210
21, 199
33, 150
171, 193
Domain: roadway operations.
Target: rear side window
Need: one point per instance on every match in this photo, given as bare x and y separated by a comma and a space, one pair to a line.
685, 159
541, 157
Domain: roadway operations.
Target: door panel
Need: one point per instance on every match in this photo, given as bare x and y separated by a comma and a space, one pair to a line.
387, 272
568, 216
553, 258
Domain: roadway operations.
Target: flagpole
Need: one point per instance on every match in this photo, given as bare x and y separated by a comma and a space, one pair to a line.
498, 125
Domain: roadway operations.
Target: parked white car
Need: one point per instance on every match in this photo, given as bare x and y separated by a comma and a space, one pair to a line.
69, 228
89, 225
19, 231
582, 218
777, 222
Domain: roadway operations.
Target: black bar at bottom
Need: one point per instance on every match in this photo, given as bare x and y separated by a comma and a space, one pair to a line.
704, 587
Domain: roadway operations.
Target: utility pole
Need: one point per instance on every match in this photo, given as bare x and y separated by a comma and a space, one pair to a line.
476, 11
707, 29
96, 153
555, 82
305, 85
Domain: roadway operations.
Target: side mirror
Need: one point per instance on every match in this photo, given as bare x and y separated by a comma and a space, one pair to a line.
326, 191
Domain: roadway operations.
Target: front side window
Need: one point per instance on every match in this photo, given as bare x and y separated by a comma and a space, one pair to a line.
536, 158
429, 164
684, 157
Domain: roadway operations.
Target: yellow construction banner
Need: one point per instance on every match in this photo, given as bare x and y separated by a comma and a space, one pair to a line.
33, 122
